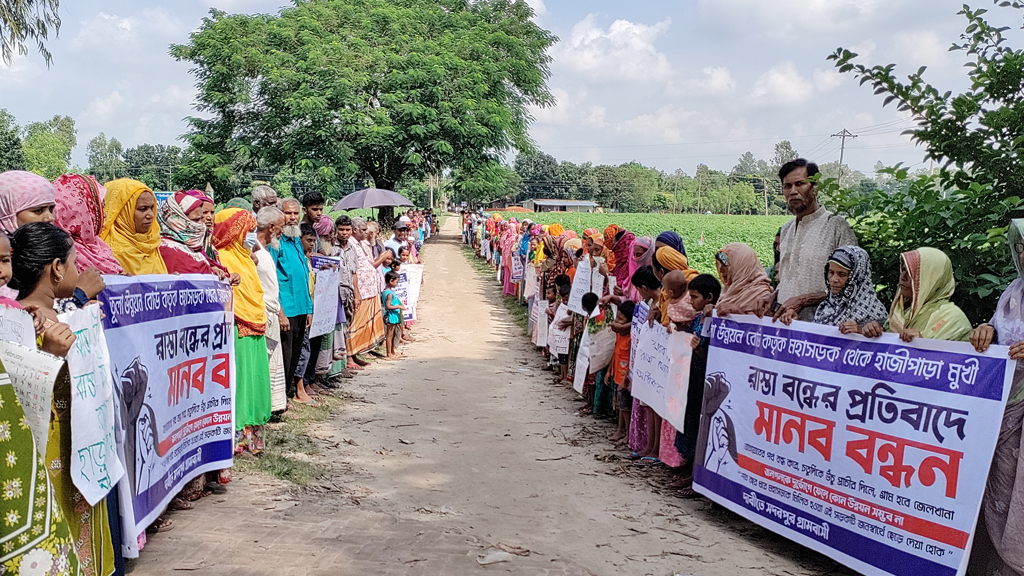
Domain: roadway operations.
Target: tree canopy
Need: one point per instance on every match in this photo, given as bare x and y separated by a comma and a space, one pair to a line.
975, 137
392, 90
12, 156
26, 21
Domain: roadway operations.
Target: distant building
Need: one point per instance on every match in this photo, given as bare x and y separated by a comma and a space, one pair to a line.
560, 205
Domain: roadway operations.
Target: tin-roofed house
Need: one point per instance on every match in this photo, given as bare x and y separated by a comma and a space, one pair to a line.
541, 205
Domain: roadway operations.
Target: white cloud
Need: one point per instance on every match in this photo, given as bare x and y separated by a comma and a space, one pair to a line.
923, 48
557, 114
782, 17
716, 81
105, 30
103, 108
595, 116
538, 7
782, 85
623, 51
667, 124
174, 96
827, 80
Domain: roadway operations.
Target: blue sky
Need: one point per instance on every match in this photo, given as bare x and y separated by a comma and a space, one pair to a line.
669, 84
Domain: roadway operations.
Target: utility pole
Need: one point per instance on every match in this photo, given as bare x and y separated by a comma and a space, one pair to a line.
844, 134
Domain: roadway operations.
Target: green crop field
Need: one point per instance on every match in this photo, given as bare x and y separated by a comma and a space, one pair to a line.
702, 235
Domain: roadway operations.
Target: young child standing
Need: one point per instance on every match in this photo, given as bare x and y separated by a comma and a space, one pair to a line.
704, 292
392, 315
622, 326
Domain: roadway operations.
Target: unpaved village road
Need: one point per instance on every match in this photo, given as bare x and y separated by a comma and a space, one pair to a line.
462, 450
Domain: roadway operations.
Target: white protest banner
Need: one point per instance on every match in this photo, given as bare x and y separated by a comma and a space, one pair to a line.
602, 347
558, 339
651, 372
172, 353
580, 286
33, 374
95, 467
540, 324
16, 326
325, 295
640, 313
517, 266
410, 278
680, 351
875, 453
532, 286
579, 378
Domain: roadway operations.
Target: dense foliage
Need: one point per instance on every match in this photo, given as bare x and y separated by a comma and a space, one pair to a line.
702, 235
751, 187
392, 90
976, 138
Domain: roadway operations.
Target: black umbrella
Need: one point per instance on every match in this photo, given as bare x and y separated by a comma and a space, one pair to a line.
371, 198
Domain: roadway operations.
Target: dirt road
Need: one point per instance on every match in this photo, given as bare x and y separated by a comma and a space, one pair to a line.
466, 451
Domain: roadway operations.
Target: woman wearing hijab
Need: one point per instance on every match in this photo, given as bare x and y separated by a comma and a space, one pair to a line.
208, 219
672, 240
182, 236
554, 264
745, 284
24, 197
922, 308
79, 211
130, 227
621, 244
1004, 494
252, 365
640, 254
851, 301
508, 252
667, 258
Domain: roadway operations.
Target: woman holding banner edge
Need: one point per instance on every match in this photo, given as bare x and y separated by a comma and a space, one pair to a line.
1003, 502
43, 269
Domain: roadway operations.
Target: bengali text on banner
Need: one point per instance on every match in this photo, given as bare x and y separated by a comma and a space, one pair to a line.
171, 344
873, 452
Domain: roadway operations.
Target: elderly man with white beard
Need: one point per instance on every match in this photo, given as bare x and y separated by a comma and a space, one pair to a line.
269, 228
296, 301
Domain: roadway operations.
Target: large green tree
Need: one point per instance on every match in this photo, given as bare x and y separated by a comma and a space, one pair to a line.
12, 157
105, 156
154, 165
26, 21
48, 146
389, 89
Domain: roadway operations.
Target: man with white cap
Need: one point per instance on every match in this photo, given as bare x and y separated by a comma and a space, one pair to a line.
400, 237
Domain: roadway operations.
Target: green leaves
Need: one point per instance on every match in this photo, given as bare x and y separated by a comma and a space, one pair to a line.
390, 90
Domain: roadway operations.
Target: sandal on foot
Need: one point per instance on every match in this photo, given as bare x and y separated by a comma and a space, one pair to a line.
687, 494
161, 524
180, 504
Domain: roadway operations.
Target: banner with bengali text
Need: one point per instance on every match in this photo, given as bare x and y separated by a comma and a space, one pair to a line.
171, 344
873, 452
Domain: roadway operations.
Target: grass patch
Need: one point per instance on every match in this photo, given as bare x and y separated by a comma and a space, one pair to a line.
290, 452
519, 313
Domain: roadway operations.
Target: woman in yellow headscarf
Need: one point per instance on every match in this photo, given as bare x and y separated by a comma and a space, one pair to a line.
252, 365
555, 230
130, 227
922, 308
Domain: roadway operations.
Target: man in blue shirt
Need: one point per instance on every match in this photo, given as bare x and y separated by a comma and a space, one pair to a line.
293, 284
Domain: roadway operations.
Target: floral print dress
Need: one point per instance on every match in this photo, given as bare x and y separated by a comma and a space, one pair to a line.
35, 538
